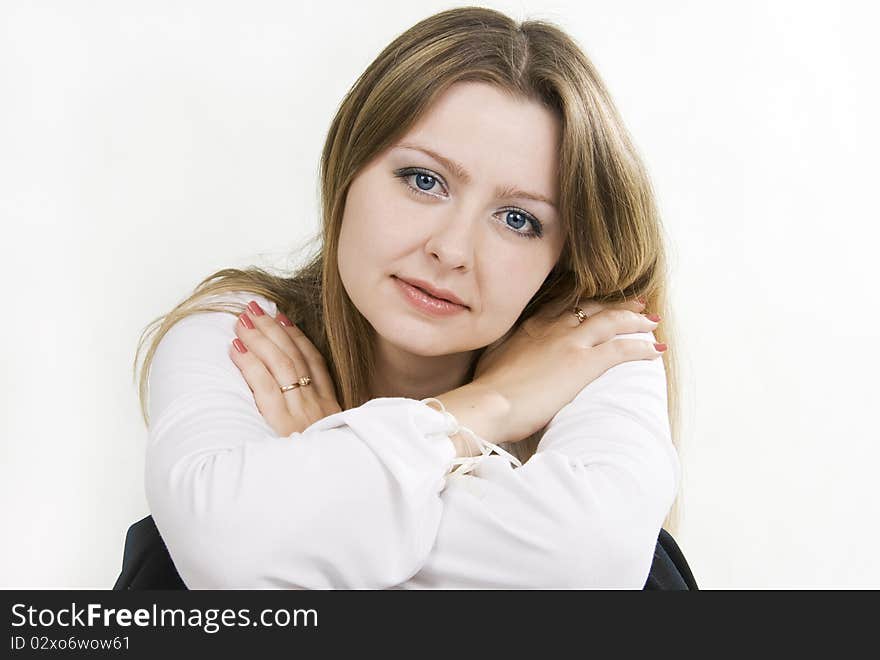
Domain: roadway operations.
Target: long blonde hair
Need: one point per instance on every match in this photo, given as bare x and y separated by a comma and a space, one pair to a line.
615, 246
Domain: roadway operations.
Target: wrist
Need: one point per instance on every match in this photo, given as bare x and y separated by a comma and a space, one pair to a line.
464, 446
480, 409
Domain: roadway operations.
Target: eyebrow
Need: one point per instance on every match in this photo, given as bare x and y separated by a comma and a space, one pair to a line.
461, 173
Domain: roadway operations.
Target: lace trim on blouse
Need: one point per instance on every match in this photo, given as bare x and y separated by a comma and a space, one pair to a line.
468, 463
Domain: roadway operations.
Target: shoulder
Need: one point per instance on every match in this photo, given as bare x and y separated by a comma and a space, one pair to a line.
221, 308
632, 393
204, 331
192, 357
237, 299
637, 371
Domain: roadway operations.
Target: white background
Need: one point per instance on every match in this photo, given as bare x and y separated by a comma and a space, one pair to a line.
144, 145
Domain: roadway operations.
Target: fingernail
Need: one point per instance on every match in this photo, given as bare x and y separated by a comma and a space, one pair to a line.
660, 347
239, 346
245, 319
283, 320
654, 317
255, 308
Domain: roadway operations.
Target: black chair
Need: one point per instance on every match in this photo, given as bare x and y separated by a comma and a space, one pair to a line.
147, 565
669, 570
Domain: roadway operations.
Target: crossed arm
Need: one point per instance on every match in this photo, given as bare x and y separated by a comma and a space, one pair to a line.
360, 499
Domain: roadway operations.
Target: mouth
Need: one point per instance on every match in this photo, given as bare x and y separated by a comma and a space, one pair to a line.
429, 293
427, 302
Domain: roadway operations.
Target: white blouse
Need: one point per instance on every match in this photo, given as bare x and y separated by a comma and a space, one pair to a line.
362, 499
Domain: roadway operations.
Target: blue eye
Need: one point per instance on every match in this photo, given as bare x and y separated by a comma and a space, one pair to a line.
425, 180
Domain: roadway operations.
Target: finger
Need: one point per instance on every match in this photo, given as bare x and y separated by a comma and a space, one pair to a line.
618, 351
633, 305
592, 307
316, 366
261, 334
267, 395
608, 323
294, 346
272, 329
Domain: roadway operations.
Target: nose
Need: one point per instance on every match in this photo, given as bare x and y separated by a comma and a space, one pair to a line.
452, 241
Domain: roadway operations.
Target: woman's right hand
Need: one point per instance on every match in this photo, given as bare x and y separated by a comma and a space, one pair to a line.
546, 362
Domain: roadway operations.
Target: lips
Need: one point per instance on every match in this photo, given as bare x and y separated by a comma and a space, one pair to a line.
442, 294
429, 293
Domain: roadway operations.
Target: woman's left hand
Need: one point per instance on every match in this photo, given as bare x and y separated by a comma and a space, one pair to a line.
277, 354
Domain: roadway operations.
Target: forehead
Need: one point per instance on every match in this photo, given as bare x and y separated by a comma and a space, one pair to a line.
499, 140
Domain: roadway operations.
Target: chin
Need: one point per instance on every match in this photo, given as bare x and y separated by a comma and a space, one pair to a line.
427, 347
419, 341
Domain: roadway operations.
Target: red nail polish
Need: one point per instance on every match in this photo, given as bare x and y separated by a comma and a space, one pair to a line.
283, 320
255, 308
245, 319
660, 347
654, 317
239, 346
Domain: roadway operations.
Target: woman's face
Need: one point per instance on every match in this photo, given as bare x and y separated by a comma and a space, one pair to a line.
409, 215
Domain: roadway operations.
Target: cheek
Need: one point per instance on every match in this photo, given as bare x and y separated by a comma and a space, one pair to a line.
396, 219
379, 224
510, 281
507, 286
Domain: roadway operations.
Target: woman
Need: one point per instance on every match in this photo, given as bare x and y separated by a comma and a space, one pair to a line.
510, 431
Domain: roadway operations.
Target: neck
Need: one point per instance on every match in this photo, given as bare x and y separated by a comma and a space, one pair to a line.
400, 374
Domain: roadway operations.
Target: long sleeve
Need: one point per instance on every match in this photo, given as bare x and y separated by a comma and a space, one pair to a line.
351, 502
583, 512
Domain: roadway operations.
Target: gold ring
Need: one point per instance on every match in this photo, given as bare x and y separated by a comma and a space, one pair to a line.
302, 382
